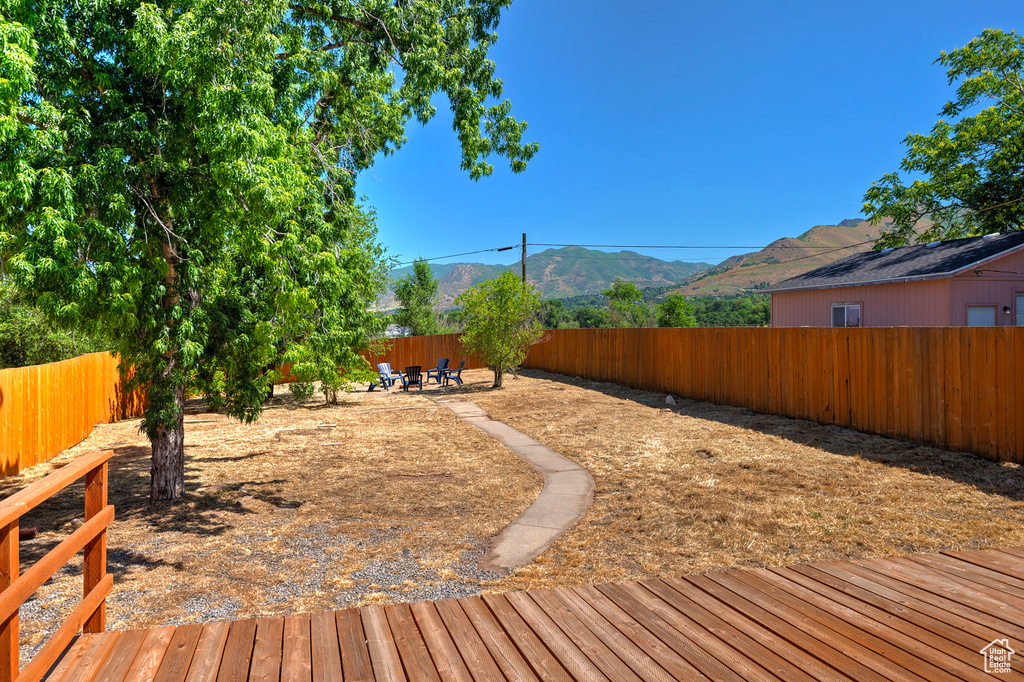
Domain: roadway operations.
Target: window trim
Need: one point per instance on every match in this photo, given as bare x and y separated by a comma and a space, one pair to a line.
844, 305
967, 314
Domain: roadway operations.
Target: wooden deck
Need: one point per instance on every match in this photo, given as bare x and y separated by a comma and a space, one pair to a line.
923, 617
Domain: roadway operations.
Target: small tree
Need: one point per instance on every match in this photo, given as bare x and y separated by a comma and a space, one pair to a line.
553, 315
500, 322
676, 312
417, 293
627, 305
591, 318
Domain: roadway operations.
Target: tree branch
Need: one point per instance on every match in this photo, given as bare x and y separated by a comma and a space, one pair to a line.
31, 121
333, 17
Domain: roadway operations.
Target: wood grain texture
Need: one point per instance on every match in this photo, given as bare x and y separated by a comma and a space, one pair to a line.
45, 409
209, 651
922, 617
234, 664
9, 568
267, 651
355, 657
296, 660
951, 387
95, 560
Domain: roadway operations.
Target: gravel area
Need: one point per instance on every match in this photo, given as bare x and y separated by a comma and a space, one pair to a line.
384, 498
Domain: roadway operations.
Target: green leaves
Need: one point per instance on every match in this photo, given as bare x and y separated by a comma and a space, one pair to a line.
181, 174
674, 311
969, 171
500, 321
417, 295
627, 306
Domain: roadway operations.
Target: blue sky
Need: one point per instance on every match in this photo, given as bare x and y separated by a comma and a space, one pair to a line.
685, 123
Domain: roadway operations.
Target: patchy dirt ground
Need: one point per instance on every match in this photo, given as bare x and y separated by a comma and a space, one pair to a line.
390, 497
383, 498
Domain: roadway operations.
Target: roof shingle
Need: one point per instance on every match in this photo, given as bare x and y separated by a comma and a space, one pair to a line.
922, 261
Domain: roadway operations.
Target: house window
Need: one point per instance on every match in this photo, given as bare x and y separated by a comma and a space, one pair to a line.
846, 314
1020, 309
981, 316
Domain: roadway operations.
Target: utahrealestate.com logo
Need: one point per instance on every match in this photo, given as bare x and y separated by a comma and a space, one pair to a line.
997, 656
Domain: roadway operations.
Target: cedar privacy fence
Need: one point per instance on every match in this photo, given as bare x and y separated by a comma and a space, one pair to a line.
45, 409
960, 388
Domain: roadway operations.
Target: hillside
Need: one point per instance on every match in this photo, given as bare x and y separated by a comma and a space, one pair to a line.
782, 259
559, 273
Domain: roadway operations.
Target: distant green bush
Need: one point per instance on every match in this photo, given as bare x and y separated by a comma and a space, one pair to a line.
28, 338
741, 311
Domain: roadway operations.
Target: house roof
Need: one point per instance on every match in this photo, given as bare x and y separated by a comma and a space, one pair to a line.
923, 261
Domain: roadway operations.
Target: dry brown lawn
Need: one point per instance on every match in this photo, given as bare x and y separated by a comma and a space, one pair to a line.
702, 488
390, 497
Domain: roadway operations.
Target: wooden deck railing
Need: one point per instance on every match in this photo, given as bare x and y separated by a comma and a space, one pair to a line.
90, 615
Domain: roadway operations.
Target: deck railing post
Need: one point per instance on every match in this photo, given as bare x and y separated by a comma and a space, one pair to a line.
96, 550
9, 568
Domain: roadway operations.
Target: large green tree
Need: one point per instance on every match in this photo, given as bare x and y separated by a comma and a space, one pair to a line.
967, 175
675, 311
180, 173
626, 305
417, 295
500, 322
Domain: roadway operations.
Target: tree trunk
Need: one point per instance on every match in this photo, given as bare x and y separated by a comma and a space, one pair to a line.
168, 473
499, 375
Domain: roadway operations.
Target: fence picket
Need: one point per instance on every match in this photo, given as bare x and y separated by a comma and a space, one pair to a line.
45, 409
950, 387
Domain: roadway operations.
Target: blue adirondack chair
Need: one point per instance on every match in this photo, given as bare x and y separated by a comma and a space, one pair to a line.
413, 376
455, 375
438, 372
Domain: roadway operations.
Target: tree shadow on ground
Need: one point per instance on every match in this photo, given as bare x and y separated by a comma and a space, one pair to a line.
985, 475
202, 512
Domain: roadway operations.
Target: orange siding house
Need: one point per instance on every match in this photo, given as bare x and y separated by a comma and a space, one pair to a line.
977, 281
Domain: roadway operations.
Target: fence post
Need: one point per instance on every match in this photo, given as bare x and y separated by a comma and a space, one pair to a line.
9, 567
96, 550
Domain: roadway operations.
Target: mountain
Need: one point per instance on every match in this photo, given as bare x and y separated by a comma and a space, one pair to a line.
558, 273
782, 259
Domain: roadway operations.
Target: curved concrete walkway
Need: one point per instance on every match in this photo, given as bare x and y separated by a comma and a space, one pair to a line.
567, 494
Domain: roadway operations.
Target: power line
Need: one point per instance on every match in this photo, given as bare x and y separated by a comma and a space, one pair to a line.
639, 258
615, 246
456, 255
682, 246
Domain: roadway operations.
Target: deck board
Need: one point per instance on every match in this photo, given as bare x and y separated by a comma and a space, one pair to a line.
440, 644
922, 625
913, 618
208, 654
268, 650
566, 603
296, 659
326, 647
178, 657
355, 657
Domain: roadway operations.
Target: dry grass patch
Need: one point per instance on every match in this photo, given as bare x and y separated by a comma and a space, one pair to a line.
384, 498
390, 497
702, 488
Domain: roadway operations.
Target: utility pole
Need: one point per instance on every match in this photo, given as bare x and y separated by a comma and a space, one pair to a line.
524, 258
